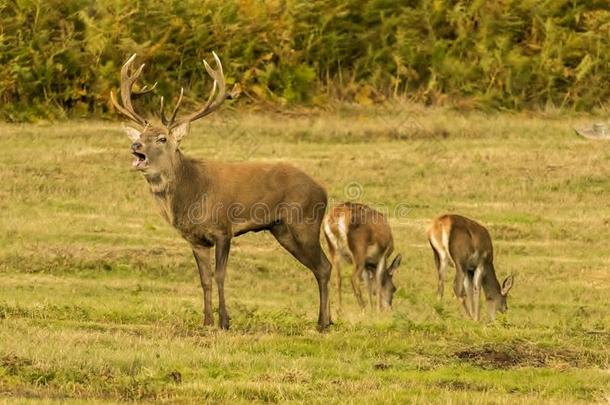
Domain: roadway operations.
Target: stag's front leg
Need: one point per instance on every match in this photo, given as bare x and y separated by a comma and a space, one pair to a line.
202, 257
223, 246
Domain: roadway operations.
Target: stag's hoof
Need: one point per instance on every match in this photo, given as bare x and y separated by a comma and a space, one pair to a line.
224, 322
324, 327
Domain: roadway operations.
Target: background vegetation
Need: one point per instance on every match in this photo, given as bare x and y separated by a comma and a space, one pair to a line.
100, 299
61, 57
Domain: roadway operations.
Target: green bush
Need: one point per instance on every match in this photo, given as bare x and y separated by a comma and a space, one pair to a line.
62, 57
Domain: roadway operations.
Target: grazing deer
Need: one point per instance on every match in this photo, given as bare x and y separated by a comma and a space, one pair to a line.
209, 203
361, 234
462, 243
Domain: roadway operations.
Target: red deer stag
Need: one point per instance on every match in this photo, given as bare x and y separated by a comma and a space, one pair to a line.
362, 235
462, 243
209, 203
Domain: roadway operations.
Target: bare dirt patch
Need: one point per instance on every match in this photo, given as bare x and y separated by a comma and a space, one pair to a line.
522, 355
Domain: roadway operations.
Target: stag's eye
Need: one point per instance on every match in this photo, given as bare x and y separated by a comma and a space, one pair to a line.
162, 140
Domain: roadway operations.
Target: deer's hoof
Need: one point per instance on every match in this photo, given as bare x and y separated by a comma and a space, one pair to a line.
224, 322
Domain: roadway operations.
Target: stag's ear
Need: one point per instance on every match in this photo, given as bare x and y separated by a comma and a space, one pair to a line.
507, 284
132, 133
395, 264
181, 131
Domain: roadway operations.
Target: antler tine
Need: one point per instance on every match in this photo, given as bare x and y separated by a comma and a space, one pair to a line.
127, 82
177, 107
144, 90
164, 120
121, 109
162, 113
215, 98
219, 80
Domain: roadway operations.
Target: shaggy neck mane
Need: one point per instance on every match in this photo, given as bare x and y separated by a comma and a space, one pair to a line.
177, 189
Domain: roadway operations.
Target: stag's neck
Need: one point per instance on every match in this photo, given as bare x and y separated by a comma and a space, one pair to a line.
159, 183
178, 188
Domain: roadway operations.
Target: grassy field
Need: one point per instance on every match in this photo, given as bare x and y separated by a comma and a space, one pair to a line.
100, 299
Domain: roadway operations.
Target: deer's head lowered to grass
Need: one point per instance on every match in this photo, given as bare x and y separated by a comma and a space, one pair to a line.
363, 235
462, 243
227, 197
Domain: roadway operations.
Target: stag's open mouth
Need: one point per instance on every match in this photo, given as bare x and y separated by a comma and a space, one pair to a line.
139, 161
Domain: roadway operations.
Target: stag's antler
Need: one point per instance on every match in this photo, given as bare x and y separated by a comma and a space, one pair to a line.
215, 99
127, 94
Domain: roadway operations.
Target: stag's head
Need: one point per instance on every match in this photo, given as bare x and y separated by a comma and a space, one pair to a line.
156, 147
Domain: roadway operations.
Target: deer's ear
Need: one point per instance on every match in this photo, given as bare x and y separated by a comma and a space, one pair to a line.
181, 131
507, 284
395, 264
132, 133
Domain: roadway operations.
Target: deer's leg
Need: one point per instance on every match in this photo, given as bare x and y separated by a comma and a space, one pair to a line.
459, 290
442, 273
442, 264
356, 280
368, 277
335, 259
202, 257
437, 264
337, 268
468, 287
476, 291
303, 242
378, 279
223, 246
359, 258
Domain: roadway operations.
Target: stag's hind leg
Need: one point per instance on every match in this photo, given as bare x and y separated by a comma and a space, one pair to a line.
303, 242
222, 256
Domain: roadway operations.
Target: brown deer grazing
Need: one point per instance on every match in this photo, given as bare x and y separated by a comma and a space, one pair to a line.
462, 243
209, 203
362, 235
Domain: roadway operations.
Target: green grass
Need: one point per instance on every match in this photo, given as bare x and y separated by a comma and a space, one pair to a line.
99, 298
